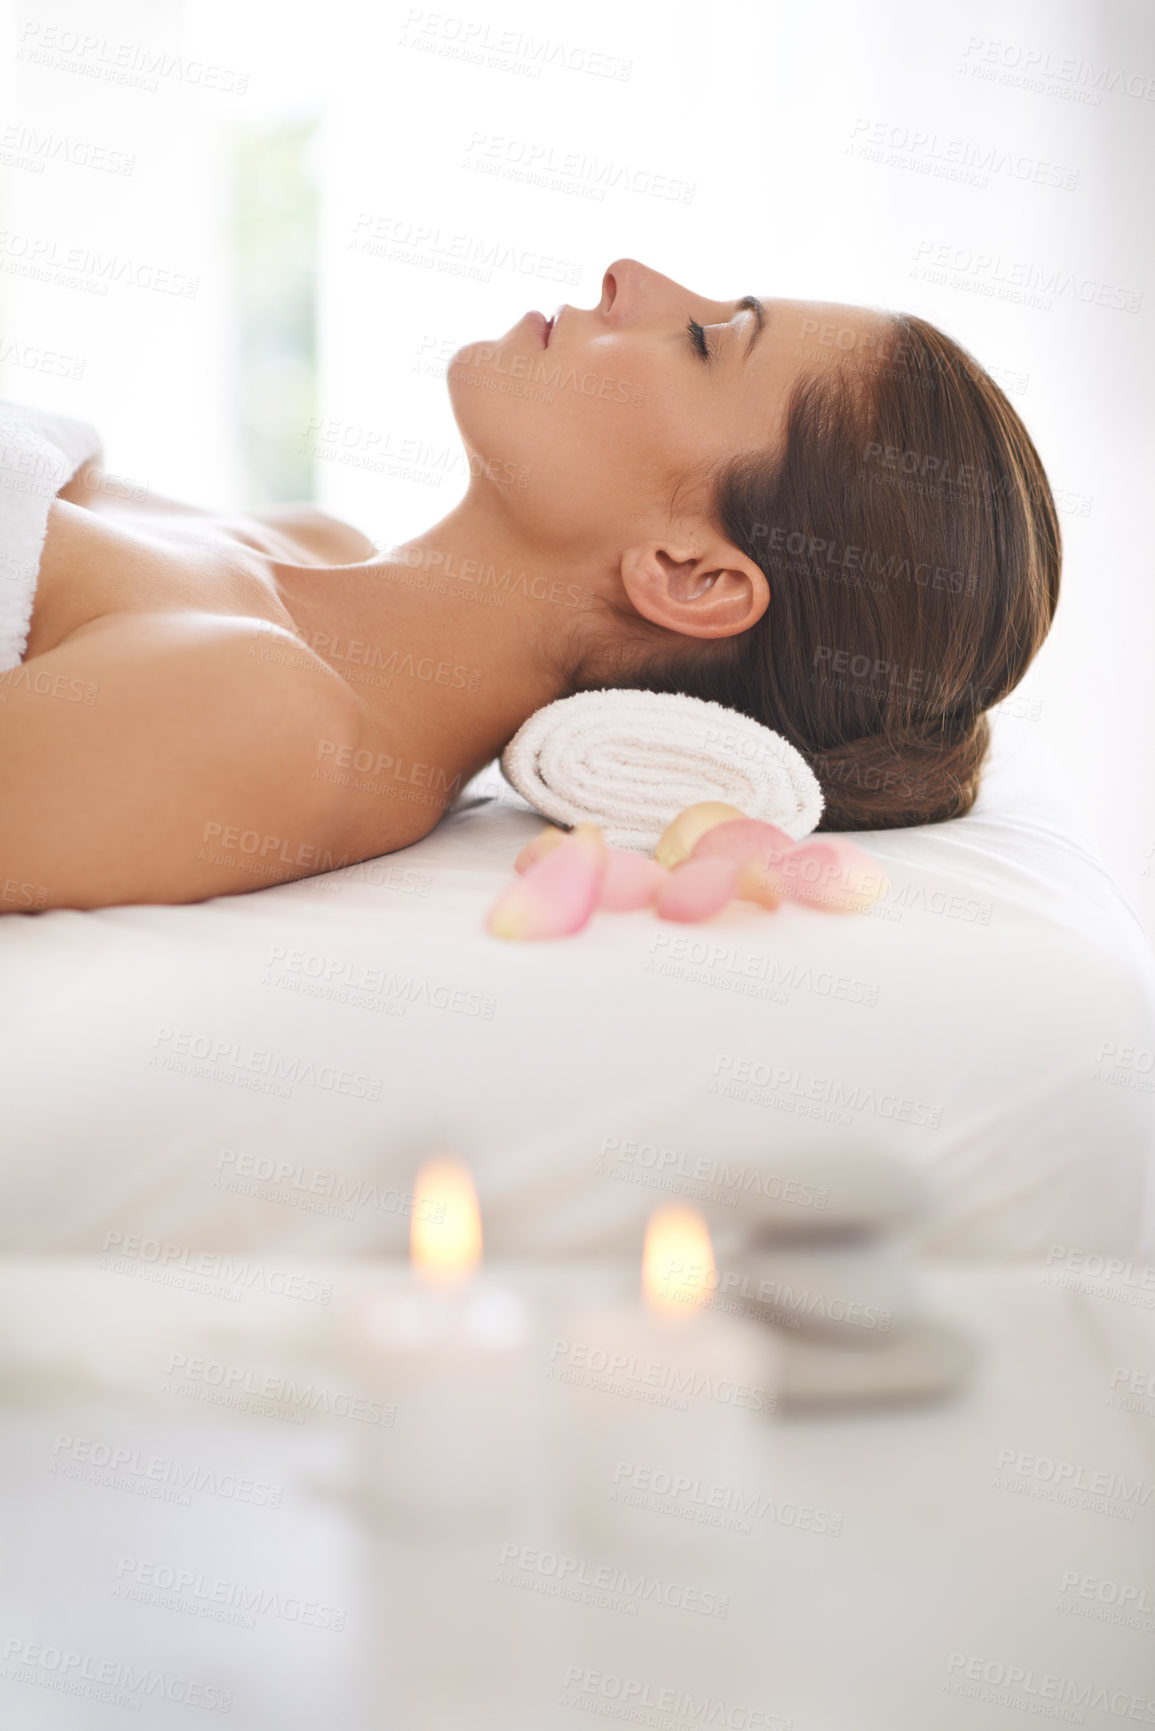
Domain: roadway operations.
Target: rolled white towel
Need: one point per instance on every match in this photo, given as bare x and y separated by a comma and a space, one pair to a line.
630, 761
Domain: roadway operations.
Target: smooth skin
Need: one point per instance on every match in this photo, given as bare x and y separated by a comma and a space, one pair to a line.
262, 697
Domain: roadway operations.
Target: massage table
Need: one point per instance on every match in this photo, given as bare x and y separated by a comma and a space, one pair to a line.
267, 1070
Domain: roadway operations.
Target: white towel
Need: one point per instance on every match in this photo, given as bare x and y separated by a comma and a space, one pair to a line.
632, 760
39, 454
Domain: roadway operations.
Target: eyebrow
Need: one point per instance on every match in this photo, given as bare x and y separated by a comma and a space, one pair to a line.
751, 304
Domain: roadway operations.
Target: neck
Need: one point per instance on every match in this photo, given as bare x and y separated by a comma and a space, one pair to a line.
454, 638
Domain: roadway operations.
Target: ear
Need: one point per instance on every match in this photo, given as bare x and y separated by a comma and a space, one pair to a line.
714, 591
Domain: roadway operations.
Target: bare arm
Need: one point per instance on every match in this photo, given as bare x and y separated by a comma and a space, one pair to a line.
154, 758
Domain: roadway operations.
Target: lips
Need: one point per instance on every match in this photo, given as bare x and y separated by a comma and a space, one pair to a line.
544, 327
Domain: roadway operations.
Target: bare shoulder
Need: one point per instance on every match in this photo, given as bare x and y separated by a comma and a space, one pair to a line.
316, 534
169, 757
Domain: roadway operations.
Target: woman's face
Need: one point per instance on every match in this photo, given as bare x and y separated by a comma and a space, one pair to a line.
584, 429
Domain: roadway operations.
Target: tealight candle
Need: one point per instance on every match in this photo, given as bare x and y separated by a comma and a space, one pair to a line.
667, 1389
451, 1353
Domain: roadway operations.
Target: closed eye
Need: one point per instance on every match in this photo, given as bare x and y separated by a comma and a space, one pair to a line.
700, 342
698, 339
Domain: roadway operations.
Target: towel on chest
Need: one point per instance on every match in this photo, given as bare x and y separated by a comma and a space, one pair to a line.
39, 453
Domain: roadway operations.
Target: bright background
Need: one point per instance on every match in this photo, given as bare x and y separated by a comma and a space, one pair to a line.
244, 152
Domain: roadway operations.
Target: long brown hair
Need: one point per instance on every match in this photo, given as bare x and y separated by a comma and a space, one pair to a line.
912, 549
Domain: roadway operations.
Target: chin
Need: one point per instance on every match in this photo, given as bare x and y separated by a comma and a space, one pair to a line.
493, 415
523, 437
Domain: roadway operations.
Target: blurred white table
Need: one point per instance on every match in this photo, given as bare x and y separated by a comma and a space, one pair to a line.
868, 1576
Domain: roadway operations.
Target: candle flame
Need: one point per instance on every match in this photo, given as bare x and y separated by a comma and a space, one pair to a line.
445, 1236
678, 1268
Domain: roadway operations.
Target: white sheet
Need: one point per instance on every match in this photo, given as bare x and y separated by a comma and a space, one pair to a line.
994, 1022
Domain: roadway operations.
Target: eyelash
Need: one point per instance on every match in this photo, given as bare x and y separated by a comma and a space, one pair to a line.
698, 339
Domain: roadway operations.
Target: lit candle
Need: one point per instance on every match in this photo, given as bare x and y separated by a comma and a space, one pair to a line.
668, 1390
451, 1353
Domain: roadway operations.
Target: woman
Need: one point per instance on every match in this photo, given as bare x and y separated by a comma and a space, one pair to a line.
826, 517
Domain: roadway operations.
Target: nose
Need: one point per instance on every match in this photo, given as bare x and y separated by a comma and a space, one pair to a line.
633, 294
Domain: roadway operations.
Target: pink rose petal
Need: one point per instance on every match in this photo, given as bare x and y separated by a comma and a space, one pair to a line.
761, 884
696, 889
556, 895
631, 881
544, 842
756, 848
679, 836
744, 839
831, 873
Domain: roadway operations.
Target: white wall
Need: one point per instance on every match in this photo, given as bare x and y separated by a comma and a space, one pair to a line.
765, 109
